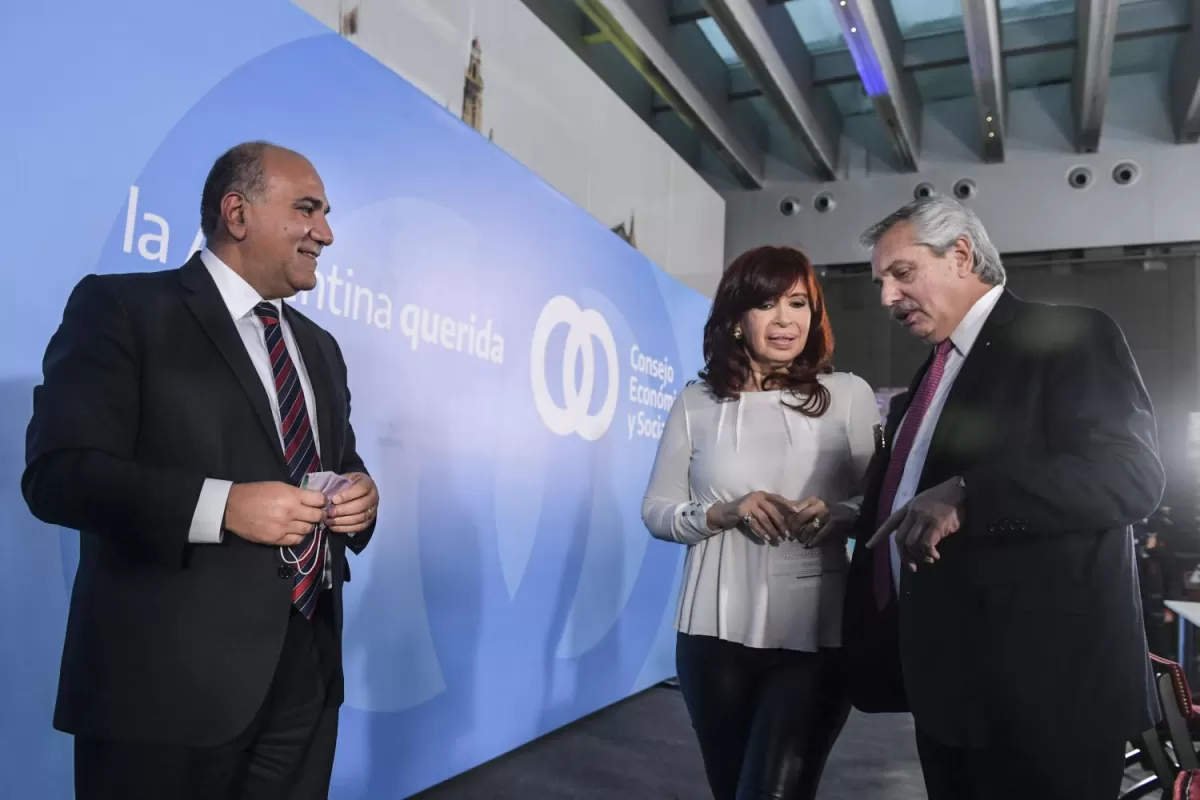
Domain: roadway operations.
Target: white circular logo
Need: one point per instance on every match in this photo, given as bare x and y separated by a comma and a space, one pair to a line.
582, 327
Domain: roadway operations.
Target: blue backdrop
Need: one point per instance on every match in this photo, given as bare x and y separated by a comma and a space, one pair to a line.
511, 361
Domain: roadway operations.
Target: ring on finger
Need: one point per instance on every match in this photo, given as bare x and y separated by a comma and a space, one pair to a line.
747, 519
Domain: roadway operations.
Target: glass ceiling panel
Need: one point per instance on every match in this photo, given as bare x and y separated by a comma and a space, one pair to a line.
817, 24
1013, 10
1147, 54
1037, 69
945, 83
850, 99
712, 32
927, 16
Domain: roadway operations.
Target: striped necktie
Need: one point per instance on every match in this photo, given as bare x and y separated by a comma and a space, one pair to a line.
300, 451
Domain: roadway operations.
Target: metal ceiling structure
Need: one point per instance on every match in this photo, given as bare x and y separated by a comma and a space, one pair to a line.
981, 28
644, 41
777, 58
753, 80
1097, 21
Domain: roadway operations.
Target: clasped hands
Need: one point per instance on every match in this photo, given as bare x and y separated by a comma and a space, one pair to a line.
772, 518
923, 523
276, 513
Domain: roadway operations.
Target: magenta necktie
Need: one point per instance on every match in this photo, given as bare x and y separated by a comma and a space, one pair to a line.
895, 468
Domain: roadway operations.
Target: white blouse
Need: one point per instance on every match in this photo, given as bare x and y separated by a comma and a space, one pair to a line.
712, 451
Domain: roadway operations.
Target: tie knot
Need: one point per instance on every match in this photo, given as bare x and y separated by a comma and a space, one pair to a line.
943, 348
267, 313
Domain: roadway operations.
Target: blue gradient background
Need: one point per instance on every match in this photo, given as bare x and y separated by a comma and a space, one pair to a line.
511, 587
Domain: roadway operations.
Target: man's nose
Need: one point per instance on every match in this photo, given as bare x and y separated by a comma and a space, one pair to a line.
322, 233
888, 295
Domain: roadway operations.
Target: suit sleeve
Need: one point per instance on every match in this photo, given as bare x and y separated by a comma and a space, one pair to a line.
1102, 468
351, 461
872, 480
79, 467
861, 420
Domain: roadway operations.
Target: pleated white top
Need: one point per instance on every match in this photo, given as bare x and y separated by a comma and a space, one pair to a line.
735, 588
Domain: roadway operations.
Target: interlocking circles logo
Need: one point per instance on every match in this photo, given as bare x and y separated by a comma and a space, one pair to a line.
574, 416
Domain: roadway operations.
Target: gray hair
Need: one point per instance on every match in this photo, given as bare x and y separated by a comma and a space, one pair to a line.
938, 222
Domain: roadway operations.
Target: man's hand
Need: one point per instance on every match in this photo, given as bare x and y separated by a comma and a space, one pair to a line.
273, 512
928, 518
354, 507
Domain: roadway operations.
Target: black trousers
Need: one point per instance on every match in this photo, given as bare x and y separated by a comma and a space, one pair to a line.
954, 773
285, 754
766, 719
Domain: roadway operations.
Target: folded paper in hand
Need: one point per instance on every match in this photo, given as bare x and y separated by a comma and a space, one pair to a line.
327, 483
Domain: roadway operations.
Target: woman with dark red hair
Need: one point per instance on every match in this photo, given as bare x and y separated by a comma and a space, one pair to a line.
753, 458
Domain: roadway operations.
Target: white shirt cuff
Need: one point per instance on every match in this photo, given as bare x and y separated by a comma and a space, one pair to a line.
210, 512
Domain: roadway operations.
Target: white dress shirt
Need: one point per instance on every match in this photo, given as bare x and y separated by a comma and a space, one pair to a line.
241, 298
714, 451
963, 339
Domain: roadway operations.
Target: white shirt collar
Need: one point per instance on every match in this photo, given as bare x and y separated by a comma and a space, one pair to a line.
239, 296
967, 332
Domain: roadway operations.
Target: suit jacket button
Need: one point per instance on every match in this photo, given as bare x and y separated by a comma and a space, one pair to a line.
285, 572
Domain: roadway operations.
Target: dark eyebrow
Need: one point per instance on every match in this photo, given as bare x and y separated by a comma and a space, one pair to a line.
316, 201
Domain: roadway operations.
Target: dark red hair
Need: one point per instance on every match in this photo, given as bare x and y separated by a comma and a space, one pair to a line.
754, 278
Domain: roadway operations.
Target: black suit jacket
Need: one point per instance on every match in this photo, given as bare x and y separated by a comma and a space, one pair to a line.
148, 390
1028, 632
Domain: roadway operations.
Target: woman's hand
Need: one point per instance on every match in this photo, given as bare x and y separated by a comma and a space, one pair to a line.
760, 513
811, 521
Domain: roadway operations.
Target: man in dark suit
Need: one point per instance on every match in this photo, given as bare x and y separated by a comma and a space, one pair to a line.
997, 593
180, 412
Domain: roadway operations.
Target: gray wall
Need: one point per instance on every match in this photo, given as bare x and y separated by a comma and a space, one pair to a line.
1156, 309
548, 109
1025, 202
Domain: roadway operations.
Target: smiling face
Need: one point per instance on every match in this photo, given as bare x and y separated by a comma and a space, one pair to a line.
278, 230
776, 331
927, 293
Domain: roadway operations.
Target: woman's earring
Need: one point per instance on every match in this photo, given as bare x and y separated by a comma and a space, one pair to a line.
737, 333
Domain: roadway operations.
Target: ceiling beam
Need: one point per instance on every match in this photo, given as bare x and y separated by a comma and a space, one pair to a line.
981, 24
695, 10
1097, 23
647, 50
873, 38
1185, 82
773, 53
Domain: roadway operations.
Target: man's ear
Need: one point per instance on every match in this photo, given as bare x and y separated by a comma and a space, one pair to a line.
964, 257
233, 214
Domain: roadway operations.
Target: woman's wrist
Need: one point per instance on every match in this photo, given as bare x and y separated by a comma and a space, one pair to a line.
714, 517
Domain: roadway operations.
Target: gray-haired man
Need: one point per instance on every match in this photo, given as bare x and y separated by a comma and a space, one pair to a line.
998, 575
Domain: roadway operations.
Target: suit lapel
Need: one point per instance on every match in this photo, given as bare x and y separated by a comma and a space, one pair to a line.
972, 377
879, 463
204, 300
320, 375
